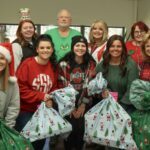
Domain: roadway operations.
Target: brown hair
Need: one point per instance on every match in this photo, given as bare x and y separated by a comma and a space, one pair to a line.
19, 34
142, 26
146, 39
5, 76
107, 56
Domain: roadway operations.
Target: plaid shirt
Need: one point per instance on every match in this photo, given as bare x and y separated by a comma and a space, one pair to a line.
77, 77
145, 71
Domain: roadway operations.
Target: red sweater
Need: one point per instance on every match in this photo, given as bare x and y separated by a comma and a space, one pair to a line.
134, 52
35, 81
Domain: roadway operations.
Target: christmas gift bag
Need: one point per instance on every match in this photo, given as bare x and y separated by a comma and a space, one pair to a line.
45, 122
65, 98
97, 85
140, 94
108, 124
12, 140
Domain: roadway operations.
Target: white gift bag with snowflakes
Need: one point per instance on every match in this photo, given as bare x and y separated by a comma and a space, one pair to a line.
45, 122
96, 85
108, 124
65, 98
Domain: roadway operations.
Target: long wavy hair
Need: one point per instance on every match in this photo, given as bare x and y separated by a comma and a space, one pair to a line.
70, 57
146, 39
4, 75
107, 56
45, 37
104, 27
19, 34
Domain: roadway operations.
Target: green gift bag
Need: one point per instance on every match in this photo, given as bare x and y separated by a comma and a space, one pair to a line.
12, 140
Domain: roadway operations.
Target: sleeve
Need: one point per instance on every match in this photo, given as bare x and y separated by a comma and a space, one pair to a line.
88, 99
13, 107
17, 51
132, 74
55, 83
63, 76
27, 93
99, 67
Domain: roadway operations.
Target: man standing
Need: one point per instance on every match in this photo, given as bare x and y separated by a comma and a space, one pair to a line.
63, 34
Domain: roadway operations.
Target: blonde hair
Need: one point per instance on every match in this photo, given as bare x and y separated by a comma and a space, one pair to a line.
146, 39
105, 30
5, 76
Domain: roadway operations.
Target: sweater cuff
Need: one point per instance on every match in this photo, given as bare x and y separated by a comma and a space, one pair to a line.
85, 100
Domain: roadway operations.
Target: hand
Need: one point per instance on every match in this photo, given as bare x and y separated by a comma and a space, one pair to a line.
80, 111
73, 113
49, 103
105, 93
47, 97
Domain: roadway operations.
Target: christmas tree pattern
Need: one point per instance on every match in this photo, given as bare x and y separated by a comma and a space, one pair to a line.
50, 130
95, 134
59, 126
106, 132
37, 128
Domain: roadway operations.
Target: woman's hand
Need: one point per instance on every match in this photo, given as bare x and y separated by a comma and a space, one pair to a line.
105, 93
48, 100
49, 103
80, 111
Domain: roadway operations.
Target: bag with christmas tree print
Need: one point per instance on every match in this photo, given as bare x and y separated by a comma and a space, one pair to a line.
96, 85
12, 140
65, 98
108, 124
45, 122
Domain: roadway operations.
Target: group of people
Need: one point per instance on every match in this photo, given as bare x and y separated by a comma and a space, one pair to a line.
62, 56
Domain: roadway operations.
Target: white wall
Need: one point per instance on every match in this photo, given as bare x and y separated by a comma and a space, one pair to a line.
84, 12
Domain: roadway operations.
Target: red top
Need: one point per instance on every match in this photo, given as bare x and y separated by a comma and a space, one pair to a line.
134, 52
145, 71
35, 80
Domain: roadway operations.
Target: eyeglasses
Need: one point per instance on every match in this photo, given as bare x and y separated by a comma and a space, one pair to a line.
139, 32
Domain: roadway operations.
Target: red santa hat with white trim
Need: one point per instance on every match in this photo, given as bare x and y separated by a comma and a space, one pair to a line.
6, 50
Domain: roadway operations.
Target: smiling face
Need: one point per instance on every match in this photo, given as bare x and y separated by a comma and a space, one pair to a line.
64, 19
44, 50
138, 34
27, 30
115, 49
97, 31
79, 49
3, 62
147, 48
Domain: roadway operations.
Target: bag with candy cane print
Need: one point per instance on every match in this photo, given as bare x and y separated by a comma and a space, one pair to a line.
45, 122
108, 124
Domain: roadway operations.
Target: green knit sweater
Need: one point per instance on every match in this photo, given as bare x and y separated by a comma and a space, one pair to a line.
117, 83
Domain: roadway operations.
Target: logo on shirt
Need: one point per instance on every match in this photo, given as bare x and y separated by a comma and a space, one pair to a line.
77, 76
42, 83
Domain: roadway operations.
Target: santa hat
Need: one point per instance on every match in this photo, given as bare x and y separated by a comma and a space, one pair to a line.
6, 50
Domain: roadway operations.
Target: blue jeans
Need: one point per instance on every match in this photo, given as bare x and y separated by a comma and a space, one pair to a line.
21, 121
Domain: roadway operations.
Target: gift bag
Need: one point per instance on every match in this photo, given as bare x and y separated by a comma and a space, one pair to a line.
12, 140
45, 122
108, 124
65, 98
97, 85
140, 94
